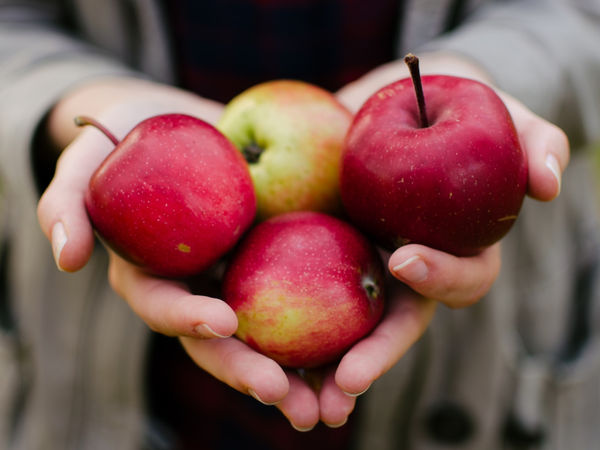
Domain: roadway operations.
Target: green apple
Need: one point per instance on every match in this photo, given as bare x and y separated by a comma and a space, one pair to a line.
291, 133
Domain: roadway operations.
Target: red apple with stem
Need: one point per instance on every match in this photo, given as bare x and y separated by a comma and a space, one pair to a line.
173, 196
446, 171
305, 286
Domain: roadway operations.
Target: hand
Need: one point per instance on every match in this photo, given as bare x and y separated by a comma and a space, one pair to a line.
168, 307
331, 393
454, 281
119, 104
328, 394
545, 144
431, 272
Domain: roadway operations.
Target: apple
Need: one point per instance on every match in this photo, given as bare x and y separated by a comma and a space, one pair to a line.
173, 196
291, 133
305, 286
448, 173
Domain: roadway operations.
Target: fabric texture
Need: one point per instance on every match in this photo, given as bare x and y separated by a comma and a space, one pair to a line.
222, 48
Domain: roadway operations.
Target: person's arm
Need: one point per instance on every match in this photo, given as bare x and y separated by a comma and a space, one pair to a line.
473, 51
542, 59
543, 53
49, 78
39, 64
168, 306
119, 100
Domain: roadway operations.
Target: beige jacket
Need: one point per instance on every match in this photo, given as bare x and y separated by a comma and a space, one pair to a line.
72, 353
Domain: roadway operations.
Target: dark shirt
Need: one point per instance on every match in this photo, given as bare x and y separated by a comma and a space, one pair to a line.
191, 410
223, 47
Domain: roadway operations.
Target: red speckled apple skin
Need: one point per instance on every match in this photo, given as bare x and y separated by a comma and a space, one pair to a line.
457, 185
173, 197
305, 286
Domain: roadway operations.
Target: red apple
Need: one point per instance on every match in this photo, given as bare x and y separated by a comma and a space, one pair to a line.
173, 196
305, 286
291, 133
451, 176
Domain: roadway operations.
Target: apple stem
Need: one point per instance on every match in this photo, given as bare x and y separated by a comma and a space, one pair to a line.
81, 121
413, 66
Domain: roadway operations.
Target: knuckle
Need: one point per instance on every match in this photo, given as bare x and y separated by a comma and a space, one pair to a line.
154, 327
562, 141
44, 208
113, 275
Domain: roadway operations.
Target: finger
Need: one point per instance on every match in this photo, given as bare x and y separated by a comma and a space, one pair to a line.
546, 147
237, 365
403, 324
61, 209
335, 405
547, 154
355, 93
301, 405
455, 281
167, 306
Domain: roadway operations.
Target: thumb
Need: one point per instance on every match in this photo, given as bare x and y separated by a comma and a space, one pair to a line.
61, 210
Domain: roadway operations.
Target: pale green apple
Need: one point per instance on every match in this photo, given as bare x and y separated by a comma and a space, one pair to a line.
291, 133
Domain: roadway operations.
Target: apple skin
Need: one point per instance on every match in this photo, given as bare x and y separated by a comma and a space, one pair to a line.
173, 196
305, 286
457, 185
300, 129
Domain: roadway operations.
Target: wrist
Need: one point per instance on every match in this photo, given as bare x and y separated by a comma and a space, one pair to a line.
122, 103
450, 63
91, 98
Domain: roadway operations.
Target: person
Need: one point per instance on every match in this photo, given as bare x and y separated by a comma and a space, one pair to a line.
84, 366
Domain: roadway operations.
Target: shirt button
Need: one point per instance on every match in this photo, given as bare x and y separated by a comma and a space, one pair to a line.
518, 434
448, 423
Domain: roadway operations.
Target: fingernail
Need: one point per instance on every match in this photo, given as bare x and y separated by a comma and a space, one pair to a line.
208, 332
255, 395
302, 429
413, 270
554, 167
337, 425
357, 394
59, 239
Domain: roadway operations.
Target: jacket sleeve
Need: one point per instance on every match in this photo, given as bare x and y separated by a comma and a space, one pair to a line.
544, 52
41, 60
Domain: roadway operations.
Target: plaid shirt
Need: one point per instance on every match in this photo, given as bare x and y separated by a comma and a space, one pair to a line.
223, 47
194, 411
